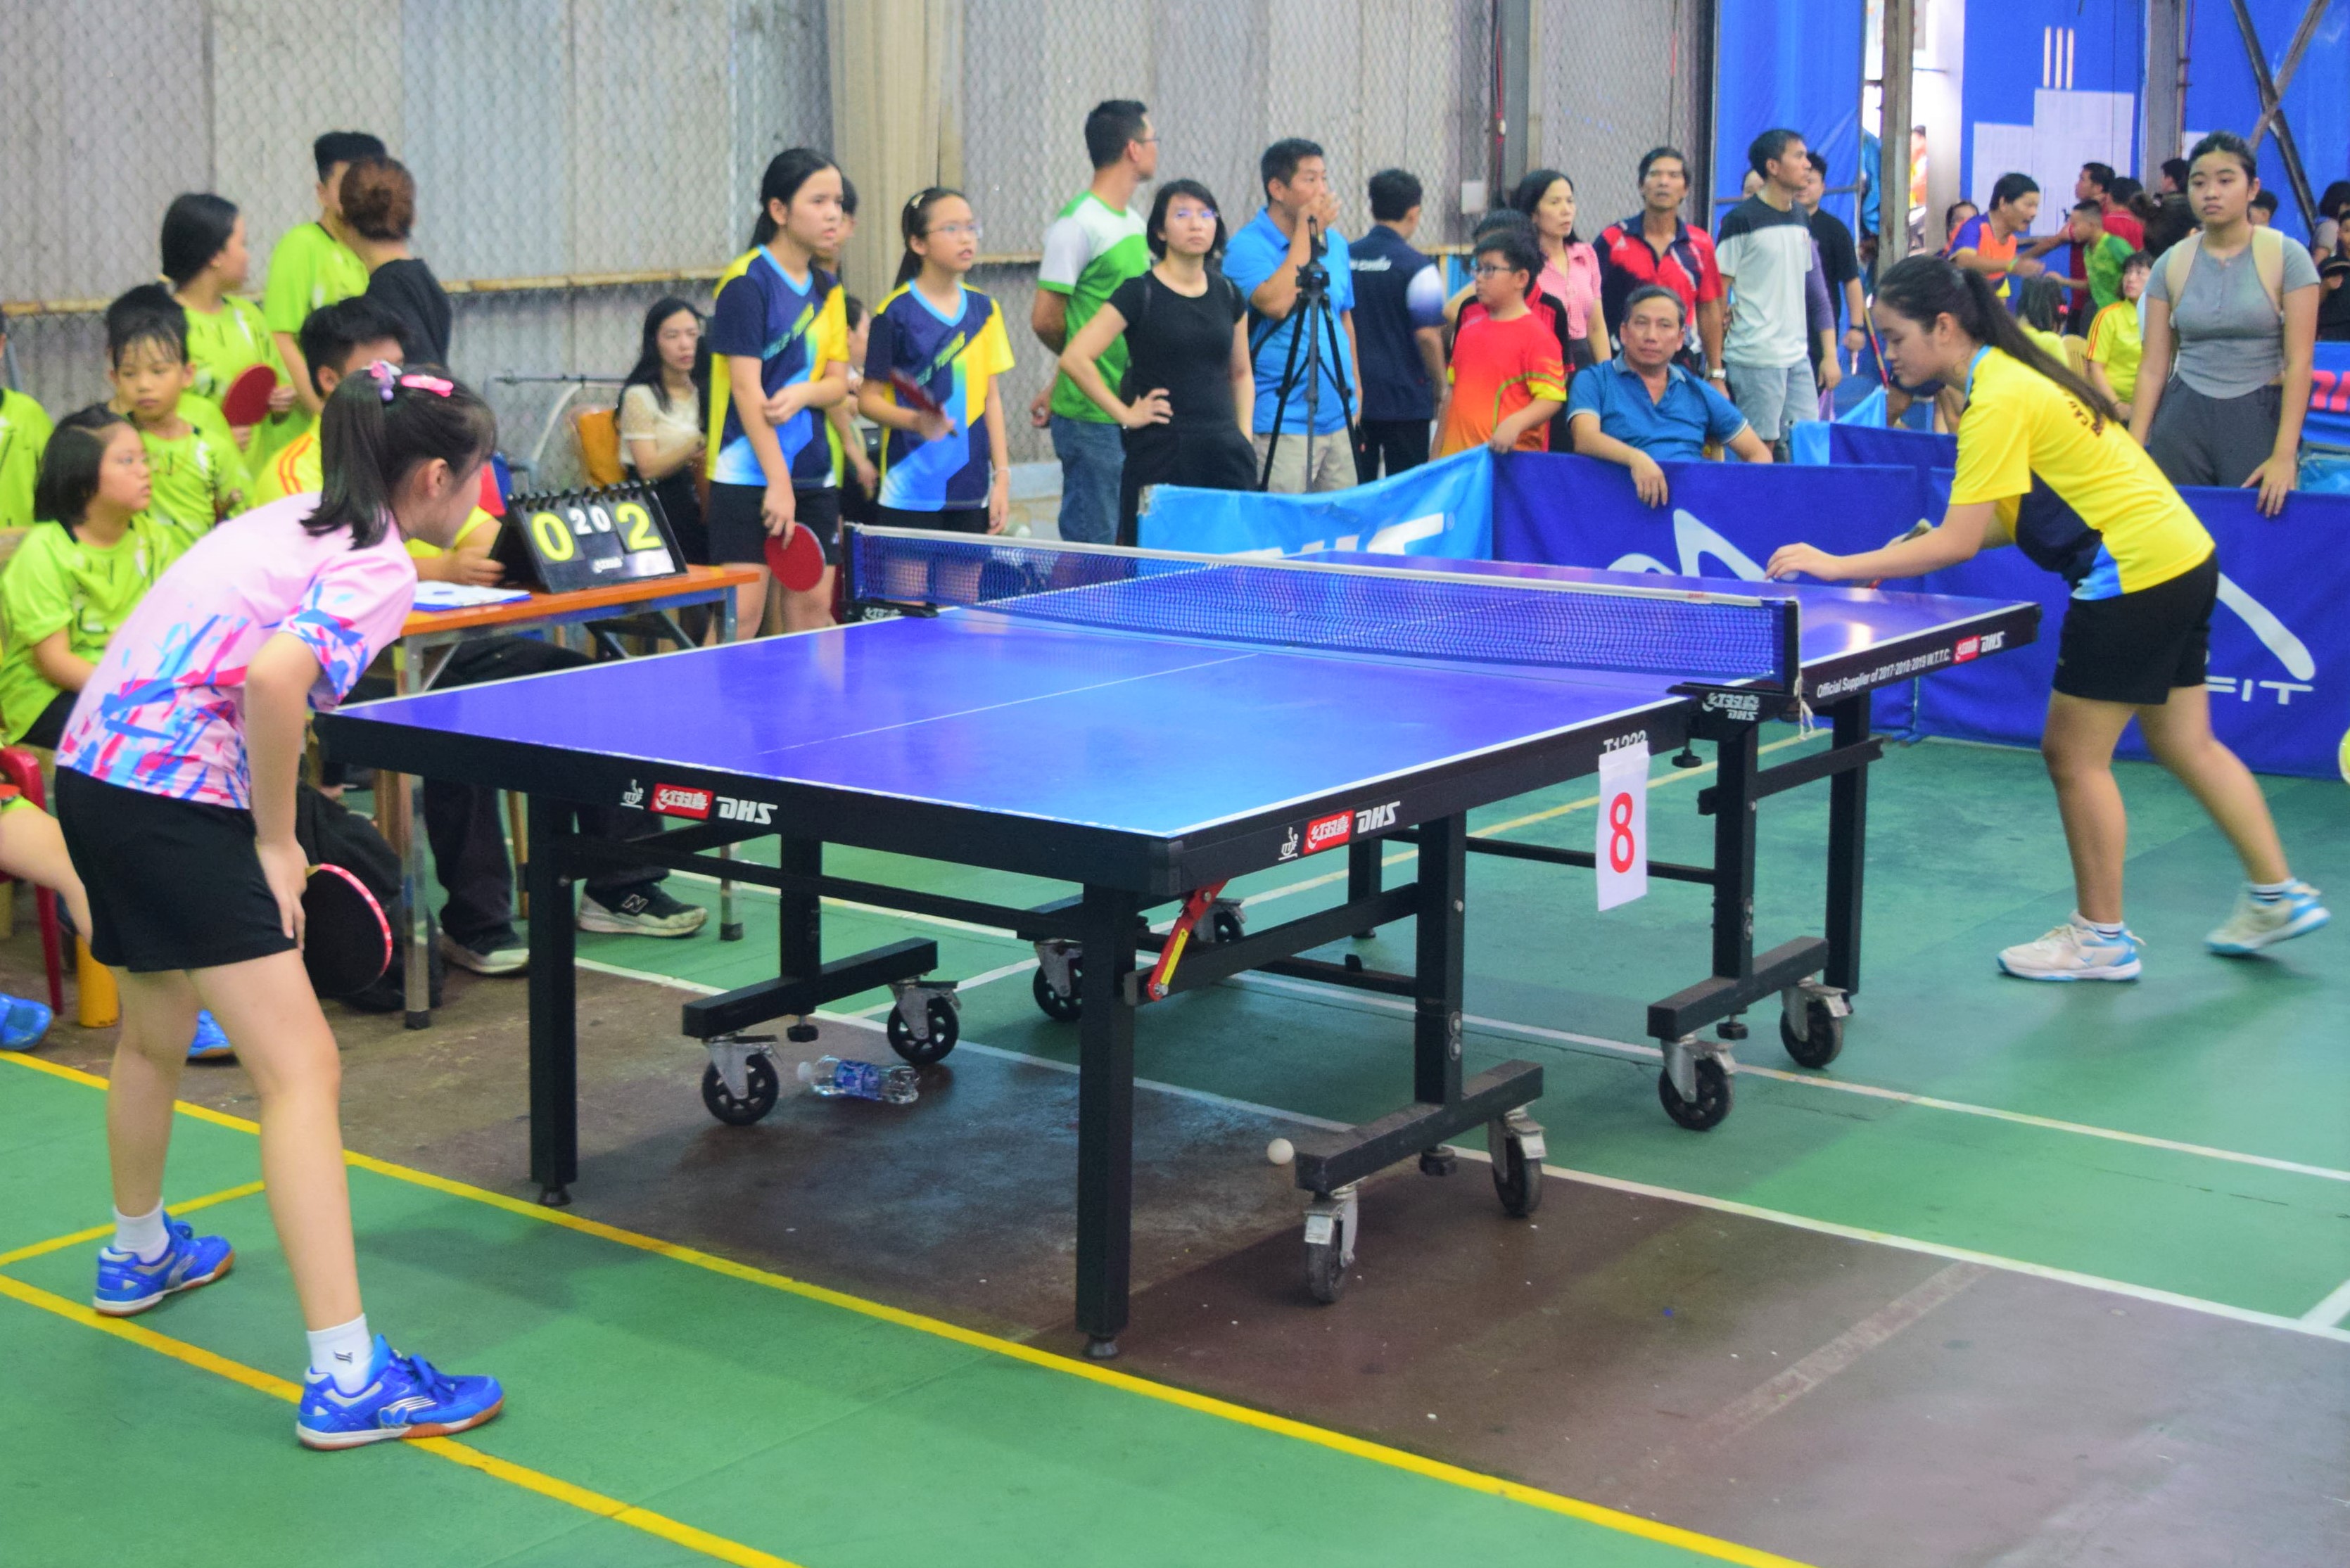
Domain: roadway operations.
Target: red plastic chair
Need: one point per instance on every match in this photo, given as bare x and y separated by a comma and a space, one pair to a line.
24, 770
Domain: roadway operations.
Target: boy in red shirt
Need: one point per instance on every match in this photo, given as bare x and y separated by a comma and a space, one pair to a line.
1509, 376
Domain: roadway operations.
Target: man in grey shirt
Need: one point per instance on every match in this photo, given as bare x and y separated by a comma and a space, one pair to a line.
2239, 305
1765, 253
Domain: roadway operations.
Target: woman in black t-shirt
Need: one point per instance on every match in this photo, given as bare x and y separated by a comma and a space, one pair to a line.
1187, 400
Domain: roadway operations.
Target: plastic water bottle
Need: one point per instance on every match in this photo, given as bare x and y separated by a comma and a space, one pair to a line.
833, 1077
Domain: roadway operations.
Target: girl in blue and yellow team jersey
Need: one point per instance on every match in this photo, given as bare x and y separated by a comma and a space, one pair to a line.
780, 325
947, 467
2044, 456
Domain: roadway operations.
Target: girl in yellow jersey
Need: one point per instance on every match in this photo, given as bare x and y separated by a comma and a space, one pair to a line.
2043, 455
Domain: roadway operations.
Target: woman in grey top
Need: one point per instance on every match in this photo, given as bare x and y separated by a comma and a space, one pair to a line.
2227, 409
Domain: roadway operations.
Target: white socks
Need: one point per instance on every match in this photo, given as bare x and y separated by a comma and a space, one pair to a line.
345, 1352
143, 1235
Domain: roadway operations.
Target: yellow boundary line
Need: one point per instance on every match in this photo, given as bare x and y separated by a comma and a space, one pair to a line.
97, 1233
448, 1449
1203, 1404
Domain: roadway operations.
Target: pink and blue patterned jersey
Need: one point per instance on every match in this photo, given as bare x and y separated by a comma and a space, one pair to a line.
164, 712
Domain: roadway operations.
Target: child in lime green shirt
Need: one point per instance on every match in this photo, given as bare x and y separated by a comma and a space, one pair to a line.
204, 257
24, 432
198, 474
79, 573
314, 265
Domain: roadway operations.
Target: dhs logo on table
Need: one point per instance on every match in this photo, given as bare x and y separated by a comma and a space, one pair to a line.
1338, 827
682, 800
1970, 648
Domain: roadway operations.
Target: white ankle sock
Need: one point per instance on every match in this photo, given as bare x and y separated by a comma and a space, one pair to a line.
345, 1352
2269, 892
2100, 927
141, 1235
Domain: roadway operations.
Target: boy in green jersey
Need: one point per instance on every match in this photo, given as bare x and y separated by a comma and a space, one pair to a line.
24, 432
314, 265
198, 474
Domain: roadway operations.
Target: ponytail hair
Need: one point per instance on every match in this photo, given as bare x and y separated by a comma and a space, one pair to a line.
1926, 288
70, 466
380, 424
786, 173
913, 223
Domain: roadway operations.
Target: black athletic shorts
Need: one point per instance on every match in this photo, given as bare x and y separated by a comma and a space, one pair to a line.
737, 537
172, 884
2139, 648
946, 519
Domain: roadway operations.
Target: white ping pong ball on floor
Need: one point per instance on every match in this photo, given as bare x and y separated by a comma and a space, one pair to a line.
807, 1072
1281, 1151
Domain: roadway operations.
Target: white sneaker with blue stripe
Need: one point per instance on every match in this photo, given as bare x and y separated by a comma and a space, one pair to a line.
2074, 950
126, 1284
2257, 922
406, 1396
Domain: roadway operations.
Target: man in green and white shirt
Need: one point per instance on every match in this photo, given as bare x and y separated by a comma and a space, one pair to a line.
1095, 245
314, 264
24, 432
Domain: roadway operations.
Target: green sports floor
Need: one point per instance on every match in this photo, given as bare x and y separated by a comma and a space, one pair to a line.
2029, 1275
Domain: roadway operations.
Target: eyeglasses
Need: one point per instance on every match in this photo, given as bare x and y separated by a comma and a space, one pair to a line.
1490, 269
957, 230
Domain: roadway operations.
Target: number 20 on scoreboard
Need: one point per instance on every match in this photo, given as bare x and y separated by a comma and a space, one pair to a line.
1622, 849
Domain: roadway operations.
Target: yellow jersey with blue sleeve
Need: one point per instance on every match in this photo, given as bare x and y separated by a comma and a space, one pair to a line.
2084, 499
299, 470
794, 327
955, 358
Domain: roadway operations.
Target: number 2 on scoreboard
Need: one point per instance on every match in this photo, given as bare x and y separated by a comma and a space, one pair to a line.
637, 530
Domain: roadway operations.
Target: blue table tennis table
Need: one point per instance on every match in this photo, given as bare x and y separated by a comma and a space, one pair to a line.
1146, 726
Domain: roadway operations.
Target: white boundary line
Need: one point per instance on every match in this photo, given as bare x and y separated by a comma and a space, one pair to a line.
2310, 1323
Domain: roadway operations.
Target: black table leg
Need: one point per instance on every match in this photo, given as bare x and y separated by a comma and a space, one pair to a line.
799, 920
1363, 872
1436, 1013
1847, 846
1105, 1118
554, 1003
1735, 803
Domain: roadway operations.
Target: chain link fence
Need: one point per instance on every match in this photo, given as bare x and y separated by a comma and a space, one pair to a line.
576, 159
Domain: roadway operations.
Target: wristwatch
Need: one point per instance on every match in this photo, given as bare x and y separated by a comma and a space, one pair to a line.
1717, 375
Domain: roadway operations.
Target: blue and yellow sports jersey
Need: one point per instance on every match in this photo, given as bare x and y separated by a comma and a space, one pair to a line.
793, 330
2083, 499
955, 358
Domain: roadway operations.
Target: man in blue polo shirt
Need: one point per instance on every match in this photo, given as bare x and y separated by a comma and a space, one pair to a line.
1642, 410
1263, 259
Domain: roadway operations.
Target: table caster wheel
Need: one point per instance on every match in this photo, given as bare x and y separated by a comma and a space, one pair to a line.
1821, 1040
1330, 1244
757, 1099
1438, 1162
1057, 1006
1517, 1142
1712, 1102
946, 1028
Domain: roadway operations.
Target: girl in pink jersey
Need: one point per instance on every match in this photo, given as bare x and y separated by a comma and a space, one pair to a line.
176, 780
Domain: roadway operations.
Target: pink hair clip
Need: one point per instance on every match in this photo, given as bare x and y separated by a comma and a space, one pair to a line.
385, 373
432, 384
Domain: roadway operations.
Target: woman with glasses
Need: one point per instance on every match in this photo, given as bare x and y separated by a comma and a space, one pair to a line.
1189, 390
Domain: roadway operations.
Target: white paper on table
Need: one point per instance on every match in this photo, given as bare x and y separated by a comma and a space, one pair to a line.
1622, 846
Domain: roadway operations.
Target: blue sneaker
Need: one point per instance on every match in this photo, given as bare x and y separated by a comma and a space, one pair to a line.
2074, 950
126, 1286
210, 1044
2255, 922
22, 1023
406, 1396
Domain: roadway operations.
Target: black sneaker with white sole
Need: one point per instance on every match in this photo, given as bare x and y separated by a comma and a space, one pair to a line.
646, 911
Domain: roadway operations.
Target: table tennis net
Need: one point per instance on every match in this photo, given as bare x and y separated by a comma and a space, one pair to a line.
1397, 612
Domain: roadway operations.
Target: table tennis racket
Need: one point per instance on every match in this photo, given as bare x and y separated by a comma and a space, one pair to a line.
913, 394
797, 557
247, 402
346, 940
